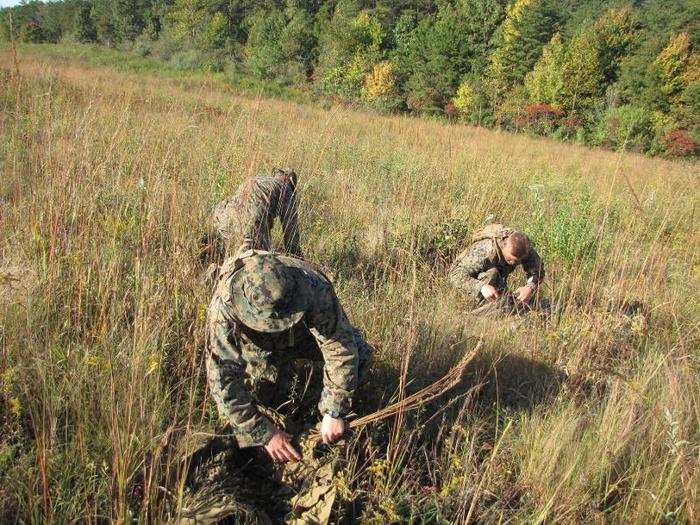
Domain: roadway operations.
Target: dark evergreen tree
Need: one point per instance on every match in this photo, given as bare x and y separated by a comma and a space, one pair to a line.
85, 30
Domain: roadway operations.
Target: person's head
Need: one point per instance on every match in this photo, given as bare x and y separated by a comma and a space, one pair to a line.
288, 175
515, 247
271, 293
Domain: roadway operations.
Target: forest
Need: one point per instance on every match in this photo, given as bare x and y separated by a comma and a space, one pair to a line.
616, 74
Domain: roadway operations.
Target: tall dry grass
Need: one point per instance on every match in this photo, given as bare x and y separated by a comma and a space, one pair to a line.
106, 183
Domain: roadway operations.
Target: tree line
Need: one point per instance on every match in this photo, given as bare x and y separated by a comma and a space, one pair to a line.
618, 74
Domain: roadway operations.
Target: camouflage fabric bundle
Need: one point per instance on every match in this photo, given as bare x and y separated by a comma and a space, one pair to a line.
227, 483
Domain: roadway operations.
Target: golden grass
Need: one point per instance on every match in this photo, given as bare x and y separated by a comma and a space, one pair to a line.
106, 182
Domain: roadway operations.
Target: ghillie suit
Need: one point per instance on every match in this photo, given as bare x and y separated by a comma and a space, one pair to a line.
226, 484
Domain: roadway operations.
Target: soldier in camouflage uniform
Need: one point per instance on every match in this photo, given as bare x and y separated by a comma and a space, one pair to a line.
268, 310
481, 271
245, 220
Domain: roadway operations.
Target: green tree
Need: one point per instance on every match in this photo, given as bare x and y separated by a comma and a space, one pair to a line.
263, 53
105, 24
85, 30
298, 39
583, 74
528, 26
671, 66
209, 24
350, 44
545, 83
436, 53
128, 18
576, 78
676, 81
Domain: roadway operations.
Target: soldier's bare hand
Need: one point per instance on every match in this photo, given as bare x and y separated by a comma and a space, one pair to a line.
489, 292
281, 449
332, 429
524, 293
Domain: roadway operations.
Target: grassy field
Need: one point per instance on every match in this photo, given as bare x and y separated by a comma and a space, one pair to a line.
107, 177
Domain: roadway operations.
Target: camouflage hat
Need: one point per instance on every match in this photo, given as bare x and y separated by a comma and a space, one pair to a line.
267, 295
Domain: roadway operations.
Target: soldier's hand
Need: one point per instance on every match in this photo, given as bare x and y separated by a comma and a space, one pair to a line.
489, 292
281, 449
332, 429
524, 293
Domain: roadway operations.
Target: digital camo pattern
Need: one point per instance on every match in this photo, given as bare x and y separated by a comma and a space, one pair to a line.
483, 263
245, 220
246, 368
266, 293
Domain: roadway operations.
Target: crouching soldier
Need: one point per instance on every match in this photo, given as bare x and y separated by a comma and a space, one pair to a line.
268, 310
245, 220
481, 271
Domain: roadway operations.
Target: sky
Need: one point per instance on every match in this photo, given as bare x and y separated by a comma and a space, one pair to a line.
5, 3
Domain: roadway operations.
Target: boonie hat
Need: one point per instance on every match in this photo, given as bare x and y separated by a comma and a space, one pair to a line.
267, 295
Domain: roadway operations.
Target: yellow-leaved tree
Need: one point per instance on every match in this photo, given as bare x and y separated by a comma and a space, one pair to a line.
672, 66
380, 83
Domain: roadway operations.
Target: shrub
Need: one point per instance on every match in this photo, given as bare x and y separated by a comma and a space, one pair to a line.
539, 118
627, 127
165, 47
187, 59
143, 45
441, 246
465, 100
679, 143
450, 110
569, 232
510, 108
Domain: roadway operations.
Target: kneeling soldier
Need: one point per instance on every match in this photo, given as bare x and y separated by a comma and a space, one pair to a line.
268, 310
481, 271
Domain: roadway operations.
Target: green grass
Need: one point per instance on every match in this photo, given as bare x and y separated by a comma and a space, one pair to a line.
130, 62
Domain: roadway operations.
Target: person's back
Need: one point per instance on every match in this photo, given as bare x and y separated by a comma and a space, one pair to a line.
245, 221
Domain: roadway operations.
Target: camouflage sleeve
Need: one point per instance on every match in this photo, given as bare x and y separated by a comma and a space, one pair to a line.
225, 375
336, 340
289, 216
468, 265
534, 268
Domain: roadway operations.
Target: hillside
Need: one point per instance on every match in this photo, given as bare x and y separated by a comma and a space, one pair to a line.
106, 181
611, 73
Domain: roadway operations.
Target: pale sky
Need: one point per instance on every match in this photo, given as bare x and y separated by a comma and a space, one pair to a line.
5, 3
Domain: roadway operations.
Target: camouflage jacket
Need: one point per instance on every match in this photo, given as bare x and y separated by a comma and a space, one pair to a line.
248, 216
475, 267
234, 351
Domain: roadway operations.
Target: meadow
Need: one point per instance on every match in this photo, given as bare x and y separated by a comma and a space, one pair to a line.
107, 179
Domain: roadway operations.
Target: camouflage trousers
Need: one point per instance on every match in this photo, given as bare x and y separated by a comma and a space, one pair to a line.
286, 385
